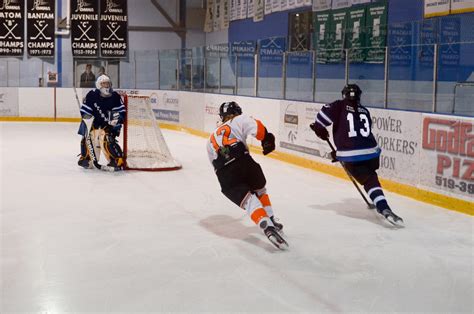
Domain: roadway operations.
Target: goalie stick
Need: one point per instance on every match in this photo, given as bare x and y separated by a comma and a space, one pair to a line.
90, 146
369, 204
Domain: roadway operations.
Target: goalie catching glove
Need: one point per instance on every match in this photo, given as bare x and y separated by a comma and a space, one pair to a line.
268, 143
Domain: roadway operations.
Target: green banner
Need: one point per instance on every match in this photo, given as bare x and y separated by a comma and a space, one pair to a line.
335, 46
356, 34
321, 26
376, 28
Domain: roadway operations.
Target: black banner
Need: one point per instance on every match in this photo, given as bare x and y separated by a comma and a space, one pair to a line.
85, 28
12, 29
40, 27
113, 28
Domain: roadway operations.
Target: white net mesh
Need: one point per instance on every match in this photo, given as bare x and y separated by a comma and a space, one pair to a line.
144, 145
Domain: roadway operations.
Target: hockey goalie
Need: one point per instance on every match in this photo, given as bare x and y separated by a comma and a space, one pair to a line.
106, 109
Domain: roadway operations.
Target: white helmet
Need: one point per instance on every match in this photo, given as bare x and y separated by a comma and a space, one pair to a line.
104, 91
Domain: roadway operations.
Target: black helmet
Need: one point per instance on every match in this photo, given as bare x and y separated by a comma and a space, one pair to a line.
351, 92
229, 108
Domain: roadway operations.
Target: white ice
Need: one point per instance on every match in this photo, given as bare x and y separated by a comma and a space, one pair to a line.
76, 240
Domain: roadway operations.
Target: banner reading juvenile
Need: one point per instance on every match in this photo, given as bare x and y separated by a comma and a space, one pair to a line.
113, 28
84, 28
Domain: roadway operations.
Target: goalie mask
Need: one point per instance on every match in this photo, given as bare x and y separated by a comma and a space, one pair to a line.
351, 92
228, 109
104, 85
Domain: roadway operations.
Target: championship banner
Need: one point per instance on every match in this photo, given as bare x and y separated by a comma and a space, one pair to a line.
449, 36
462, 6
355, 35
250, 8
40, 27
217, 21
209, 22
84, 28
339, 4
376, 27
225, 14
268, 6
436, 8
447, 155
12, 30
322, 5
321, 26
259, 10
232, 10
243, 49
113, 29
276, 6
335, 44
401, 49
291, 4
428, 37
284, 5
244, 7
272, 49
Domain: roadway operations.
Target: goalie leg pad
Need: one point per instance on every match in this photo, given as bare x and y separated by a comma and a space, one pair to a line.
85, 158
112, 151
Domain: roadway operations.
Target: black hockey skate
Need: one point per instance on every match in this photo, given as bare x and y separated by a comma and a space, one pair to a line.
278, 226
275, 238
85, 163
387, 215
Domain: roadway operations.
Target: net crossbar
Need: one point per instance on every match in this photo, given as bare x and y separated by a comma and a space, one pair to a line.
144, 145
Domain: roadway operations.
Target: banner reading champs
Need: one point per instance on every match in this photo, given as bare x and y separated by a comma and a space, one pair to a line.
113, 26
12, 28
84, 28
40, 28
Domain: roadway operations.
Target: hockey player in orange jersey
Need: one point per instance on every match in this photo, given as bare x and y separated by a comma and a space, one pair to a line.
241, 178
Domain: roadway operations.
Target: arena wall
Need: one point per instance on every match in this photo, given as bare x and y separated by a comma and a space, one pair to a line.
429, 157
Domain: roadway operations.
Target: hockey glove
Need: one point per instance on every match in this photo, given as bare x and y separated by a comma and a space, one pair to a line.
268, 143
320, 131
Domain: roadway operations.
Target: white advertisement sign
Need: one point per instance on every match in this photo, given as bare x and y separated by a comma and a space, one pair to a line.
209, 22
284, 5
353, 2
244, 7
436, 8
398, 135
9, 102
462, 6
291, 4
447, 155
295, 135
232, 10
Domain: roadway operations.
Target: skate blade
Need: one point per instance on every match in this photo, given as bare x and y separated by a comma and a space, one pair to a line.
280, 245
389, 221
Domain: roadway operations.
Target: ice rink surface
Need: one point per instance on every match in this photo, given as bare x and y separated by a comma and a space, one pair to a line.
76, 240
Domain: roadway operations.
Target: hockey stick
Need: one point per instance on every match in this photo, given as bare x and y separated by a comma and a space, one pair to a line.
369, 204
90, 146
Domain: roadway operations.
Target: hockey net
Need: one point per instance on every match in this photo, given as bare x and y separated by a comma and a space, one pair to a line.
144, 146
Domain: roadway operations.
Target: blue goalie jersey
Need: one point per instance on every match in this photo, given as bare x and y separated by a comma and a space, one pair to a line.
351, 130
102, 108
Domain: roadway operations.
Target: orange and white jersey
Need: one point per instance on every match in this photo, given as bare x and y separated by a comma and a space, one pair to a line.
234, 130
